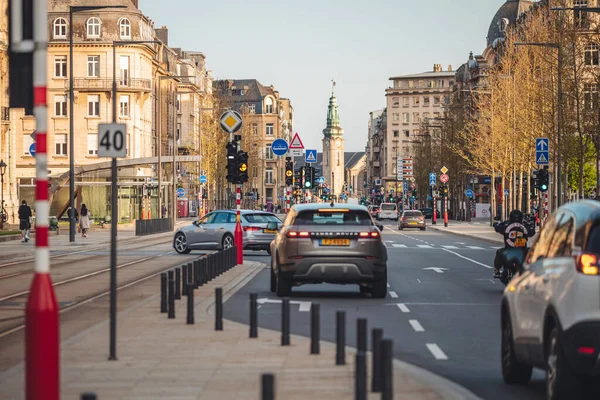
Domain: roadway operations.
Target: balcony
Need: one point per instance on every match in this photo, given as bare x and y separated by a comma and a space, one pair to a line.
376, 149
105, 85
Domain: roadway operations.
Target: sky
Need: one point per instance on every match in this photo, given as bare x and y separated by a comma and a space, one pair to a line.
300, 46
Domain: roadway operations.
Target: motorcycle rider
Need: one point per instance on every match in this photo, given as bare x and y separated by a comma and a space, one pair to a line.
515, 233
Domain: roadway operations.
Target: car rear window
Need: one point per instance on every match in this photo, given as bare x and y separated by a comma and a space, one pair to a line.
388, 207
413, 214
593, 244
333, 217
261, 218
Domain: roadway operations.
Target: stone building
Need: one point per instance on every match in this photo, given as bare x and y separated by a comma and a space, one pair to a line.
376, 132
333, 149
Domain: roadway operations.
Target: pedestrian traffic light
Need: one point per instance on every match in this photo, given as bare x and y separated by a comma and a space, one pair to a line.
289, 173
242, 162
298, 178
543, 179
308, 182
232, 163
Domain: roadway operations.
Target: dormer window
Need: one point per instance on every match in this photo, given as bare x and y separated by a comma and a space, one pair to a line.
93, 28
503, 24
125, 28
242, 92
60, 28
268, 105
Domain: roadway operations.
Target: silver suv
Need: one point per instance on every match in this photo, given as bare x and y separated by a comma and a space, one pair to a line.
332, 243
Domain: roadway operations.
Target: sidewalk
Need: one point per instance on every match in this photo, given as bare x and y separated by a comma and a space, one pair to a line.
476, 230
161, 358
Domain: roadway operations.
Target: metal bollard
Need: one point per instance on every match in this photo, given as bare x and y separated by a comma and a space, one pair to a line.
163, 292
196, 274
210, 261
387, 369
184, 280
315, 335
218, 309
361, 334
285, 322
340, 338
253, 315
177, 283
171, 295
190, 304
190, 274
204, 270
360, 376
268, 387
376, 336
88, 396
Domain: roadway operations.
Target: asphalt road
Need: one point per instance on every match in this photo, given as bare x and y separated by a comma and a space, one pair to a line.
444, 319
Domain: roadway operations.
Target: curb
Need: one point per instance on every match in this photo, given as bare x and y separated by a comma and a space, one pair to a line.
491, 241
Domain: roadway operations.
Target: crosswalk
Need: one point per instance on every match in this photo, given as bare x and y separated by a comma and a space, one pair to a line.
431, 246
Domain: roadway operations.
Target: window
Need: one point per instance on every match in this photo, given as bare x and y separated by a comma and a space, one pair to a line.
93, 28
255, 128
396, 133
562, 241
27, 142
416, 101
591, 55
178, 103
269, 176
93, 66
252, 109
581, 18
396, 117
269, 152
436, 100
590, 96
60, 28
405, 118
343, 217
269, 129
125, 28
242, 92
60, 66
411, 84
416, 118
441, 83
425, 116
124, 105
396, 102
405, 101
92, 144
426, 101
93, 105
540, 248
60, 106
436, 115
268, 105
124, 70
60, 145
430, 84
406, 133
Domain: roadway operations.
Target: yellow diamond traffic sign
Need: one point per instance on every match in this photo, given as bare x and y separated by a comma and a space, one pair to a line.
444, 170
231, 121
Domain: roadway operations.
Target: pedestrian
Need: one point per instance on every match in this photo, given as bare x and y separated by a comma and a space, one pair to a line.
163, 211
24, 221
84, 221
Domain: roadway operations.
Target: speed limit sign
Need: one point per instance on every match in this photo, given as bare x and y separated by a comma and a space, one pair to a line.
112, 140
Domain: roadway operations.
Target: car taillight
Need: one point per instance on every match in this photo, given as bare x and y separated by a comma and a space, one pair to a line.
420, 218
294, 234
588, 351
365, 235
404, 219
252, 228
588, 264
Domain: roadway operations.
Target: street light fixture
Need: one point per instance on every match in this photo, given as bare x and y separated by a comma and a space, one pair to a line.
2, 172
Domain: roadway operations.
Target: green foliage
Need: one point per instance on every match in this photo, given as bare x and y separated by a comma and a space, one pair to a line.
589, 176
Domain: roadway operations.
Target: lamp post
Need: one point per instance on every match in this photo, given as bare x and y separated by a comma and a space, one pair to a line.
72, 221
2, 172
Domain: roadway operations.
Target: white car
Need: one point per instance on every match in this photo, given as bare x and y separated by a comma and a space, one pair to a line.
387, 211
551, 309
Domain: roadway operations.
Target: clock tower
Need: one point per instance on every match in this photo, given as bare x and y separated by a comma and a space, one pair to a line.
333, 148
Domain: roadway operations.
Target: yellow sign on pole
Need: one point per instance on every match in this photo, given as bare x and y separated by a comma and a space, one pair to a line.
444, 170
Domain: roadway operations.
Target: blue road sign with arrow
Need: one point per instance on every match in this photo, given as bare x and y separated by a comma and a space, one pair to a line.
542, 151
279, 147
469, 193
405, 186
432, 179
310, 156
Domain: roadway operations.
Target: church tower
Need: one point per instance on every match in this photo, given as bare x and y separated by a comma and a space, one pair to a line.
333, 148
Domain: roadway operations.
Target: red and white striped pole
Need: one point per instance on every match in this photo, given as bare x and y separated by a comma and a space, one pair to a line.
42, 379
288, 200
238, 238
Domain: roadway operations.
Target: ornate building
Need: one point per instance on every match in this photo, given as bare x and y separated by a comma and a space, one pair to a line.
333, 149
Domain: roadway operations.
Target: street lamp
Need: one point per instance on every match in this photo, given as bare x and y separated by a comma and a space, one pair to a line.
72, 221
2, 172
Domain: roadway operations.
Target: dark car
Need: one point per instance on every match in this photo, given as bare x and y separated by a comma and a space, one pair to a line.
428, 212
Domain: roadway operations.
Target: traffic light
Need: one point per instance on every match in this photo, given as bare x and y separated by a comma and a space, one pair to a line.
232, 163
289, 173
444, 191
414, 194
242, 162
543, 179
308, 182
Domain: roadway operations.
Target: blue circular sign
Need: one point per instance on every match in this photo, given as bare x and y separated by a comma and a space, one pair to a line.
180, 192
32, 150
203, 179
279, 147
469, 193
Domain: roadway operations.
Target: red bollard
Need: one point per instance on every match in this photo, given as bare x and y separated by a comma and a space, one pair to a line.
446, 219
238, 240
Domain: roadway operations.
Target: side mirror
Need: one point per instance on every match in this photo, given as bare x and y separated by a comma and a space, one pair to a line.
272, 226
379, 226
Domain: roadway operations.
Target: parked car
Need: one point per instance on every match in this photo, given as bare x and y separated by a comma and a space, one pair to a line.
332, 243
215, 231
412, 219
551, 309
428, 212
388, 211
373, 210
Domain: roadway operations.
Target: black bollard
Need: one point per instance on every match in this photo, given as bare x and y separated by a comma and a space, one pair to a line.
253, 315
340, 338
387, 369
361, 334
268, 387
184, 280
315, 335
203, 271
163, 292
171, 295
190, 304
190, 273
177, 283
220, 268
376, 336
88, 396
210, 261
360, 376
196, 274
218, 309
285, 322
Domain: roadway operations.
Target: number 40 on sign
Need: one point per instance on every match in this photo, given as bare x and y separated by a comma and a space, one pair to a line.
112, 140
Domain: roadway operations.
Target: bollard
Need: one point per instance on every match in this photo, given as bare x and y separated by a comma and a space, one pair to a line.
387, 369
171, 295
209, 263
218, 309
340, 338
203, 270
190, 274
315, 320
285, 322
253, 315
376, 336
184, 280
196, 274
88, 396
268, 387
163, 292
220, 262
190, 304
177, 283
360, 376
361, 334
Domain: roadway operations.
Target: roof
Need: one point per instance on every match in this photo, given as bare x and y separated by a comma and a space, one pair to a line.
318, 206
254, 91
429, 74
510, 11
352, 158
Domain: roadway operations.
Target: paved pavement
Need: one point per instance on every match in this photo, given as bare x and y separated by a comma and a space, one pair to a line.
479, 230
162, 358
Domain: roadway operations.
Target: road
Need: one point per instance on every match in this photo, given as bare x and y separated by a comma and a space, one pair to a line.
442, 309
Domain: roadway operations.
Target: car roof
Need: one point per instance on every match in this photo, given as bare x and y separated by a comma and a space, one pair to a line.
318, 206
244, 211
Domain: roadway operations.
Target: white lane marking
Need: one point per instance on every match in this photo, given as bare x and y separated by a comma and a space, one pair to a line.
388, 285
304, 306
475, 247
468, 259
403, 307
401, 246
463, 243
436, 351
416, 325
436, 269
393, 295
424, 246
418, 280
450, 247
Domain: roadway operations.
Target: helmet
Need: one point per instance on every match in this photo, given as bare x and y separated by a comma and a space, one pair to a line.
516, 216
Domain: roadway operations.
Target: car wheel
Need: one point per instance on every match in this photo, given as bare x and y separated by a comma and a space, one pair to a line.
364, 289
513, 371
284, 286
181, 245
561, 381
379, 288
227, 242
273, 286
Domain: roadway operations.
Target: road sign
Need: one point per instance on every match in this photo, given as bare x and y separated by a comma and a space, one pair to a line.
405, 186
279, 147
444, 178
296, 152
444, 170
542, 150
203, 179
413, 185
32, 149
310, 156
180, 192
432, 179
231, 121
469, 193
112, 140
324, 185
296, 142
321, 180
506, 192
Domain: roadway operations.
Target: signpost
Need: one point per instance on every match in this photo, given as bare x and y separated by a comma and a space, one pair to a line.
469, 193
180, 192
432, 179
310, 156
203, 179
32, 149
230, 121
542, 151
279, 147
321, 180
296, 143
506, 192
444, 178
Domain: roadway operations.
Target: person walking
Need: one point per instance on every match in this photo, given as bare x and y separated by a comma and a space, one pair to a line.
84, 220
25, 221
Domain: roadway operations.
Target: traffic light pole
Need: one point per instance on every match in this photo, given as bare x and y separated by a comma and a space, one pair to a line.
445, 211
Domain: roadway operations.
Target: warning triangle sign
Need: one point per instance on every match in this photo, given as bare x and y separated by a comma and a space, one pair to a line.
296, 142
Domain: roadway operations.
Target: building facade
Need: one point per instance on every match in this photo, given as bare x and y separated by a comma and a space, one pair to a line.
333, 149
377, 126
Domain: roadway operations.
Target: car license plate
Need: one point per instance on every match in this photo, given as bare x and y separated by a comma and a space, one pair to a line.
269, 231
335, 242
413, 223
520, 242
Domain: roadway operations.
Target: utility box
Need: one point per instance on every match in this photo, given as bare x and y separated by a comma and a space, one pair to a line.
182, 208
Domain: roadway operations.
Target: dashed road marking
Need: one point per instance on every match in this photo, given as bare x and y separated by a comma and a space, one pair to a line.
436, 351
403, 307
424, 246
416, 325
468, 259
400, 246
475, 247
450, 247
393, 295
